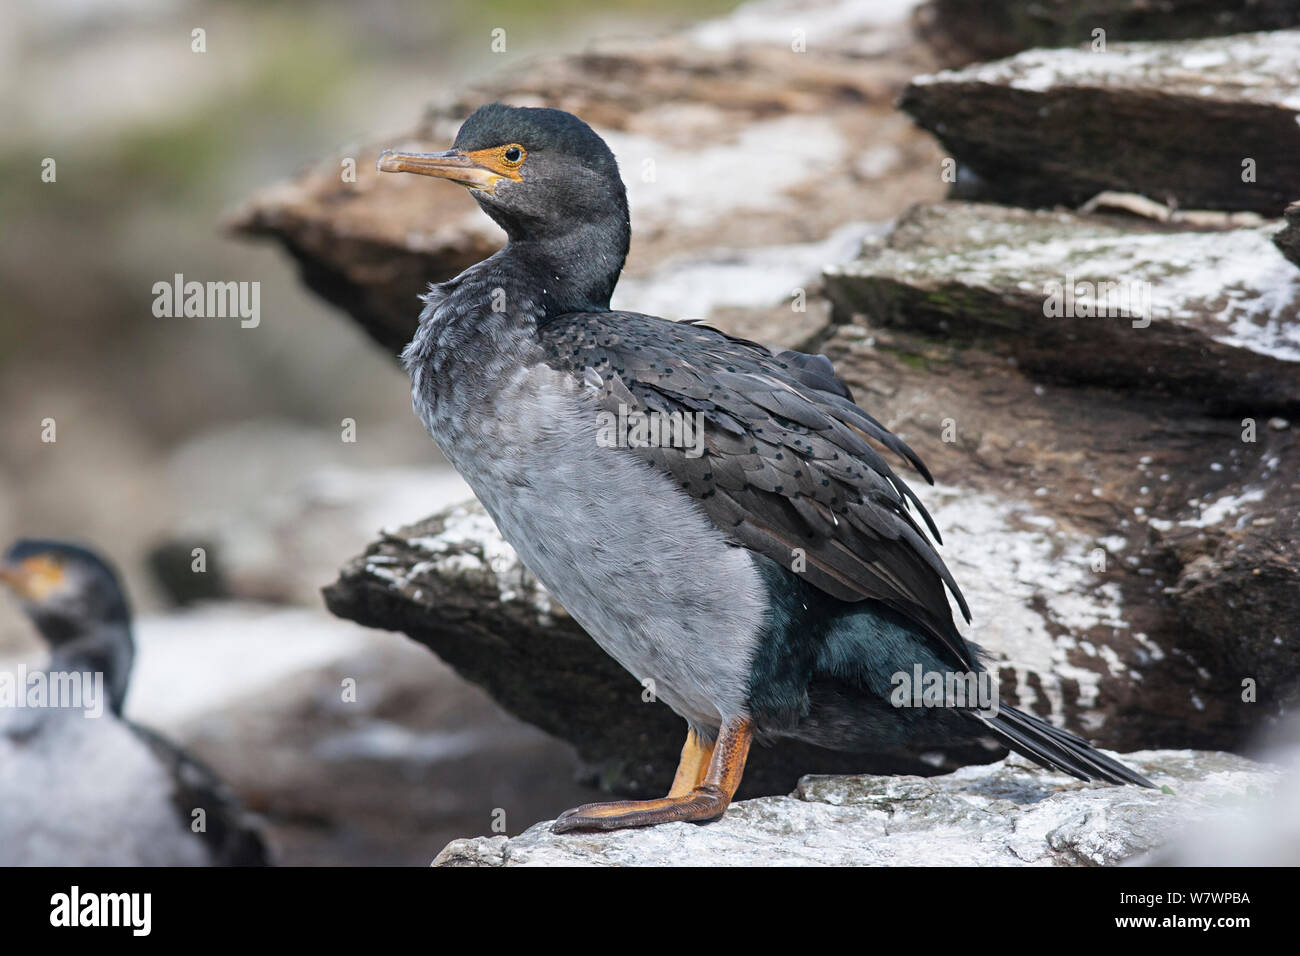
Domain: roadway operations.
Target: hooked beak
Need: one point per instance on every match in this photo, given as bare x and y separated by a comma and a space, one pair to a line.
14, 576
453, 165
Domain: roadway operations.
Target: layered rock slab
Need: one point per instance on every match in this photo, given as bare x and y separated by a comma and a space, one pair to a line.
1201, 124
1003, 814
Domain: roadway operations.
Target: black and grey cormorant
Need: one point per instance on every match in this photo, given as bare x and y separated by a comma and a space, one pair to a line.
79, 784
770, 581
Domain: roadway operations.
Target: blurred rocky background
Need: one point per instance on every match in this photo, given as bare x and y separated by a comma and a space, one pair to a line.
1119, 498
175, 433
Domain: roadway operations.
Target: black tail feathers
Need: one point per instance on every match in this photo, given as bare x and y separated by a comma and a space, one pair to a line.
1055, 748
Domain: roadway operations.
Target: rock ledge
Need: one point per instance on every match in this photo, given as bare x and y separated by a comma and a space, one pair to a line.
1010, 813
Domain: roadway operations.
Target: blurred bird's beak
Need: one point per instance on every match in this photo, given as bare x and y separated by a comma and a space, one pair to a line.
33, 579
13, 576
453, 165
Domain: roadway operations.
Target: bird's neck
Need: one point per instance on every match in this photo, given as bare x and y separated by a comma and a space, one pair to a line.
105, 647
575, 270
483, 324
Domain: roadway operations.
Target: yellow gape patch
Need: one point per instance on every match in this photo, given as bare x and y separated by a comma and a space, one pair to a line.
502, 160
35, 578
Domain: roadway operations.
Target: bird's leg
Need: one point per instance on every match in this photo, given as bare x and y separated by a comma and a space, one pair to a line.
693, 765
696, 802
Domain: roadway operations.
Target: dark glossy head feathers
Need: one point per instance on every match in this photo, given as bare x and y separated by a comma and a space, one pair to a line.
552, 184
568, 180
66, 589
539, 131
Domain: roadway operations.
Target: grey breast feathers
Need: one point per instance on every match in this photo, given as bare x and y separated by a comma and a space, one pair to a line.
787, 468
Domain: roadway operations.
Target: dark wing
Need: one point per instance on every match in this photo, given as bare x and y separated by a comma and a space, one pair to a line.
787, 468
230, 835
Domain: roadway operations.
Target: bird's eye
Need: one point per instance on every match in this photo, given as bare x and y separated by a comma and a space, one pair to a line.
513, 155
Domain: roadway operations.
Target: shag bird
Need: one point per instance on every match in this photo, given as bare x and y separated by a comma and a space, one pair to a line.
769, 580
80, 784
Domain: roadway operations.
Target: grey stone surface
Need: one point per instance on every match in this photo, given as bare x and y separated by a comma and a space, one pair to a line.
966, 30
1288, 238
1002, 814
1216, 311
1203, 124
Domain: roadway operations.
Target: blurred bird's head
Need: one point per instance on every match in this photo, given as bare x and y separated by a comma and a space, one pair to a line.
540, 173
65, 589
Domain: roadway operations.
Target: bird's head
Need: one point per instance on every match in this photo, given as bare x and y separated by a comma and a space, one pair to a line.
64, 589
538, 172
